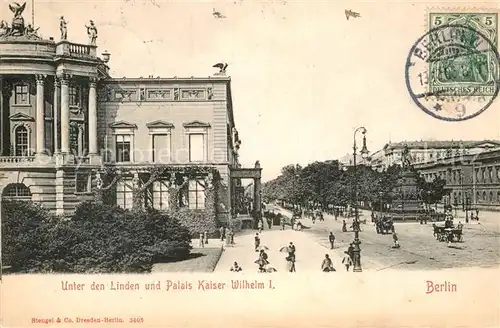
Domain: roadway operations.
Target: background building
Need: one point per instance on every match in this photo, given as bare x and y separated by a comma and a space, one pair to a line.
472, 179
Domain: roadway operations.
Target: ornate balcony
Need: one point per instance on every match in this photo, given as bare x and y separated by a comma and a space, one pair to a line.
75, 50
16, 159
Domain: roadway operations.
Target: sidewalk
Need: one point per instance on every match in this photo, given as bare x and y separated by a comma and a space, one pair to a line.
309, 254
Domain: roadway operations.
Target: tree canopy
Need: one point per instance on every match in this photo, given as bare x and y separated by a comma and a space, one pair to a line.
324, 183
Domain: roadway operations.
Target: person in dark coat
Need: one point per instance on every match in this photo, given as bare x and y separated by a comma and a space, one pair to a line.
331, 238
257, 242
344, 226
350, 251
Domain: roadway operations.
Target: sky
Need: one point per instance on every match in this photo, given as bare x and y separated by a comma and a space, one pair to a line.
303, 76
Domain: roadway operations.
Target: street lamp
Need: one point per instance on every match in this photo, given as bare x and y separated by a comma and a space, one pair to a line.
364, 153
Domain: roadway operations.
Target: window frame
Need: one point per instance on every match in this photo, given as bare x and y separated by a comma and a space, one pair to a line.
88, 187
122, 128
123, 142
161, 192
160, 128
77, 96
198, 127
28, 141
28, 94
125, 182
198, 182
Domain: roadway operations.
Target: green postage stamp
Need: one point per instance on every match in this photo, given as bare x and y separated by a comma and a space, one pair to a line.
452, 71
465, 73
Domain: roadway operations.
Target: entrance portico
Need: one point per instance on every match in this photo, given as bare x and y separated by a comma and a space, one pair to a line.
255, 174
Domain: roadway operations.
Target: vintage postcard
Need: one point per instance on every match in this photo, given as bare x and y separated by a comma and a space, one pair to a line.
249, 164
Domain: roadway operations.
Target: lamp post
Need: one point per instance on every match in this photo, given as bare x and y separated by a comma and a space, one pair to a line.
364, 153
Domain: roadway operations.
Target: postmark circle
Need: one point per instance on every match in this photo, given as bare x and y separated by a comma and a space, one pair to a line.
452, 72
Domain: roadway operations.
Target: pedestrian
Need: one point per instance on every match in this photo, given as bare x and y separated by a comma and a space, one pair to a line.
350, 250
232, 237
395, 238
290, 262
221, 231
327, 264
262, 261
257, 241
331, 237
347, 261
236, 267
269, 223
259, 226
344, 226
201, 241
282, 223
205, 236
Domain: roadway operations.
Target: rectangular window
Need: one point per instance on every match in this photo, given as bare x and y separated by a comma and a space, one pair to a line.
122, 147
22, 94
196, 195
124, 193
82, 182
160, 195
74, 96
196, 147
161, 148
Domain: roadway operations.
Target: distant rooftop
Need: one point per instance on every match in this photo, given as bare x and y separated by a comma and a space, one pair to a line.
425, 144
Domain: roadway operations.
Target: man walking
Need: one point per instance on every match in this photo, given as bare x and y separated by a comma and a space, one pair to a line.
221, 231
347, 261
257, 242
331, 237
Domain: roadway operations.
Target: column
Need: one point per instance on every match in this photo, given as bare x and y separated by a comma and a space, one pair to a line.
40, 115
57, 100
64, 115
92, 117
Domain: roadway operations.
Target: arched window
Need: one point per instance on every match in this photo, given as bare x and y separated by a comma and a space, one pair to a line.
16, 191
484, 195
22, 141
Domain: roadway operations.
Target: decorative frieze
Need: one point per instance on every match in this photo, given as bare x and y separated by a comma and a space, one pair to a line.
193, 94
160, 94
111, 94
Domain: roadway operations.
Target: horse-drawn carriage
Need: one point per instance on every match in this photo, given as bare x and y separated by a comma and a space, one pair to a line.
384, 225
451, 234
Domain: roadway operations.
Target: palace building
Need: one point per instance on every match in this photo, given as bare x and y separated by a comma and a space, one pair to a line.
69, 132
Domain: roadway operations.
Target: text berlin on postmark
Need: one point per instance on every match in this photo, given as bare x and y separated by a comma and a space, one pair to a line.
452, 71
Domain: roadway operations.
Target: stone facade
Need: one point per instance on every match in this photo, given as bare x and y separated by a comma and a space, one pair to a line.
63, 120
472, 179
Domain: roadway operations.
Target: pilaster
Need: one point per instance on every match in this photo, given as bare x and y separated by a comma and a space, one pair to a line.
40, 115
65, 151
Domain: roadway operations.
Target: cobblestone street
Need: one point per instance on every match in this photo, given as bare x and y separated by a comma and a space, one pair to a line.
419, 249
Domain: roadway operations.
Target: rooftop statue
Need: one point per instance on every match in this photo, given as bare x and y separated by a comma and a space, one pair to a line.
92, 33
63, 28
18, 29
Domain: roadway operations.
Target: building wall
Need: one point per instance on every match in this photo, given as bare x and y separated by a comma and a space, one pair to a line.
473, 179
177, 112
